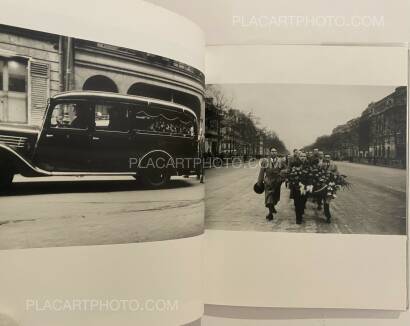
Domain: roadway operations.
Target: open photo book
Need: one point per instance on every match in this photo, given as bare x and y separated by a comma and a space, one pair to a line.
145, 174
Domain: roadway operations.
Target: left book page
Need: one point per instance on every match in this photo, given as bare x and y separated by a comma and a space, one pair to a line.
102, 200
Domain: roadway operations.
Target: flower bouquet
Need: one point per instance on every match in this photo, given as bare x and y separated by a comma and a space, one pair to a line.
316, 180
328, 182
301, 178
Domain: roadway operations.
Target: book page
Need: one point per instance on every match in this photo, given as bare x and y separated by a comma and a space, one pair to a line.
101, 182
306, 190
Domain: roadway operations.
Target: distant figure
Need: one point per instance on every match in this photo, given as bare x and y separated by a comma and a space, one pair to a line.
288, 158
321, 159
309, 157
315, 156
329, 165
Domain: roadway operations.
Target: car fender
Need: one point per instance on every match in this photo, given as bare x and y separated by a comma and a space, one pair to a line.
19, 163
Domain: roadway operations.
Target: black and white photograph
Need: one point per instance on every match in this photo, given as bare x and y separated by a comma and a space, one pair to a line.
306, 158
99, 144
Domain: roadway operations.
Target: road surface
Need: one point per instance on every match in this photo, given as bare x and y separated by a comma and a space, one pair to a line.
69, 211
375, 204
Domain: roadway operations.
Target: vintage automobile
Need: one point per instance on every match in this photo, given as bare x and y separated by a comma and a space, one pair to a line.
99, 133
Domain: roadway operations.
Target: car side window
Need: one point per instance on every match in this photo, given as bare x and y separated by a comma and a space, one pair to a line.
71, 115
161, 120
139, 119
111, 117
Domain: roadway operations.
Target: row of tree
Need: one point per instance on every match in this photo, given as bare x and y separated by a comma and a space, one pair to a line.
246, 125
327, 143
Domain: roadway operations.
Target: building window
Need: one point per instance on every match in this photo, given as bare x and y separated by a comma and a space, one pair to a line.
13, 90
17, 76
100, 83
111, 117
1, 75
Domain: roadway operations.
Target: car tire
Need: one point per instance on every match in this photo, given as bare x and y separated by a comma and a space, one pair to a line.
156, 178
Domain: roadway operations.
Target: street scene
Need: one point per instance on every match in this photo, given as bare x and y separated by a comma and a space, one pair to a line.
68, 211
331, 163
369, 207
99, 144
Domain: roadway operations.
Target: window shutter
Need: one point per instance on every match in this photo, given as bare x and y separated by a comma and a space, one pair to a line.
40, 90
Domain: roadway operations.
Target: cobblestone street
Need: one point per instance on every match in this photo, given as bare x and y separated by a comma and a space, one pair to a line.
68, 211
375, 204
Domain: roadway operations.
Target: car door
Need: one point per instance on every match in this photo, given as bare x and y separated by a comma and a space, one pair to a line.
64, 144
111, 137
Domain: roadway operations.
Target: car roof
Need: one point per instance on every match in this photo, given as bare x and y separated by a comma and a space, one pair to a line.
116, 96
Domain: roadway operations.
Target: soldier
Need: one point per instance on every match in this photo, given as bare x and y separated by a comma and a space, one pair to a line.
271, 176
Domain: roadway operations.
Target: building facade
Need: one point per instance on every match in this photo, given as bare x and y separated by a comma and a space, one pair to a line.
378, 136
212, 128
36, 65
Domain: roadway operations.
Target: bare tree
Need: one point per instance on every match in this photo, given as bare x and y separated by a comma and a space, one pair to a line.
221, 100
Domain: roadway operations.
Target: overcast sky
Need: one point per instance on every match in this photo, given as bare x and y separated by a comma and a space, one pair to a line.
301, 113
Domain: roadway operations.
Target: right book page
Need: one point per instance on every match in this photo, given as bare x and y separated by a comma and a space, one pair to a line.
306, 180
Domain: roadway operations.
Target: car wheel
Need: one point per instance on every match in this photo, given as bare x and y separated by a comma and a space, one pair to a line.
156, 178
